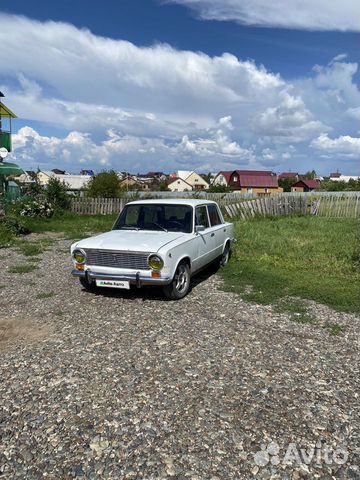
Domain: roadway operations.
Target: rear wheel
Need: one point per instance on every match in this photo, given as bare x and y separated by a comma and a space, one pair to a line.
180, 284
89, 286
225, 257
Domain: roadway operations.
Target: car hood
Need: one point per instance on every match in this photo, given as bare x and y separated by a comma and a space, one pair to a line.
137, 241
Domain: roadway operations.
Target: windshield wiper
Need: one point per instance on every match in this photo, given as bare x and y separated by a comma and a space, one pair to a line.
125, 227
160, 226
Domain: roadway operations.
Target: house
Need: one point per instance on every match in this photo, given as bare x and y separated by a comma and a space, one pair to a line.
196, 181
74, 183
285, 175
134, 183
338, 177
222, 178
87, 172
262, 182
305, 185
177, 184
26, 178
157, 176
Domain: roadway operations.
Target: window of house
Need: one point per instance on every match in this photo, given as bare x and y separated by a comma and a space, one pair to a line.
249, 190
214, 215
201, 217
235, 178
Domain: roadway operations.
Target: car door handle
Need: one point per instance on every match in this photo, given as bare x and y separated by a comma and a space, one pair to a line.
213, 234
224, 229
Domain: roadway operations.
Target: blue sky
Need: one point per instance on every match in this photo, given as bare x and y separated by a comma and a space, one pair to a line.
198, 84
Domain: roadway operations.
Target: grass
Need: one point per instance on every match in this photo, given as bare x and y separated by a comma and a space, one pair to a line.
26, 268
305, 257
6, 237
296, 309
30, 249
42, 296
334, 328
72, 226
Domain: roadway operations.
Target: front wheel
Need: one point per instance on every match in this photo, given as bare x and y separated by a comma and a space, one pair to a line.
89, 286
180, 284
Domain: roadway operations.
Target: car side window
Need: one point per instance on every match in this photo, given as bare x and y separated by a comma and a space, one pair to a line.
201, 217
214, 215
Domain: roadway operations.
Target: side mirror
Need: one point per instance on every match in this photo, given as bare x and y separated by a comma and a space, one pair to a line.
199, 228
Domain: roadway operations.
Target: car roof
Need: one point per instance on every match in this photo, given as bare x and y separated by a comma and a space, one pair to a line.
174, 201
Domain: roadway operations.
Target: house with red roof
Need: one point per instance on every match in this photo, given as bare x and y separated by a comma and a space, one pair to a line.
262, 182
285, 175
222, 178
305, 185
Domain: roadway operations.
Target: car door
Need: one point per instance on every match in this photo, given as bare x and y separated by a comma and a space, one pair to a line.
203, 241
217, 231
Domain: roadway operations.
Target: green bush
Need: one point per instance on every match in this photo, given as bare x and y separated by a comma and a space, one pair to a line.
32, 208
56, 194
13, 225
105, 185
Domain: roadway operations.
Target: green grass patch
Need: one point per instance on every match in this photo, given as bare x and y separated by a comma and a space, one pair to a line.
296, 309
42, 296
334, 328
29, 267
6, 237
306, 257
72, 226
30, 249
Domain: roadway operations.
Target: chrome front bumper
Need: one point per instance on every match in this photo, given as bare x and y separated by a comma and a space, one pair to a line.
136, 279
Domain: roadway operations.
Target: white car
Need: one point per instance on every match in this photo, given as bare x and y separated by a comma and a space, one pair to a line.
155, 242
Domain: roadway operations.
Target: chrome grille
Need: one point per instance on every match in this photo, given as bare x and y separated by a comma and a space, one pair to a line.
116, 259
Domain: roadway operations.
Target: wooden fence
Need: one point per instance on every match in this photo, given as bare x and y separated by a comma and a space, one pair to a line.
97, 206
242, 207
278, 205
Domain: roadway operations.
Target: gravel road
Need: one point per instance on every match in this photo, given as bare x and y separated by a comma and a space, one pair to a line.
131, 386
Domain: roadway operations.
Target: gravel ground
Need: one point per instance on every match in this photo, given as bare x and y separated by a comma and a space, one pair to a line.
131, 386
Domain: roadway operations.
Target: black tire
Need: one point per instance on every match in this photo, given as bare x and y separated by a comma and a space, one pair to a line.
89, 286
225, 257
180, 284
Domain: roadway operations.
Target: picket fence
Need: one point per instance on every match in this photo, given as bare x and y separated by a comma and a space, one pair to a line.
345, 206
235, 206
97, 206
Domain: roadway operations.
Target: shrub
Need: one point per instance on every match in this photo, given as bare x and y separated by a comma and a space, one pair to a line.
104, 185
56, 194
14, 225
33, 208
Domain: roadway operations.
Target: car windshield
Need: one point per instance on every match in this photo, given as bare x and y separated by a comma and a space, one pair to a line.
155, 216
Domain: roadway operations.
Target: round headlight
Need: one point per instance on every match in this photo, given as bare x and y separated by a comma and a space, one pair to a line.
79, 256
155, 262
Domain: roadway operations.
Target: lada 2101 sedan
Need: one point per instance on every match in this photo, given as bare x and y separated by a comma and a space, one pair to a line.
155, 242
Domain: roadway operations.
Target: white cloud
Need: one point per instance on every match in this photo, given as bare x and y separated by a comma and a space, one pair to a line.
296, 14
135, 107
288, 121
127, 152
343, 146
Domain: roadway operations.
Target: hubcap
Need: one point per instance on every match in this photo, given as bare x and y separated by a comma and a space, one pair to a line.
181, 279
225, 257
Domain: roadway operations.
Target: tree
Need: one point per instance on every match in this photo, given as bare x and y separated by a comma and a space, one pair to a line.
286, 183
56, 194
219, 189
104, 185
311, 175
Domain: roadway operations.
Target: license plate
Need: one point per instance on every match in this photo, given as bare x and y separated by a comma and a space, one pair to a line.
113, 284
